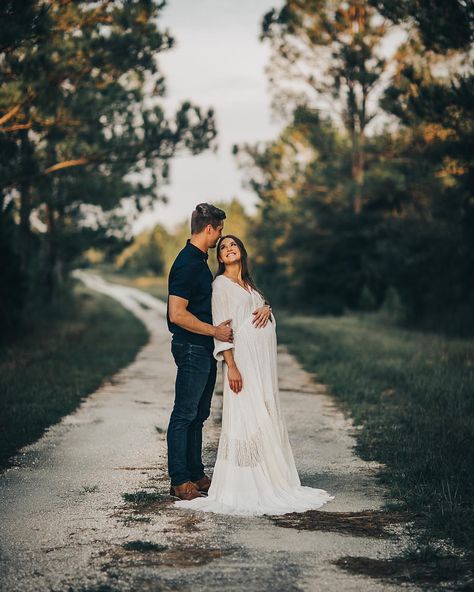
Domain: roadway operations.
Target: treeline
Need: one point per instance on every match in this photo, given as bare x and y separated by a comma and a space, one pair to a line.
153, 251
365, 199
84, 142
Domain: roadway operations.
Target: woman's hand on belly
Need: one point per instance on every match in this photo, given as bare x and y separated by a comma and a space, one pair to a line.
261, 316
235, 379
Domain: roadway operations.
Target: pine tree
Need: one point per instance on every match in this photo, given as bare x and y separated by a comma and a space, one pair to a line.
330, 53
82, 132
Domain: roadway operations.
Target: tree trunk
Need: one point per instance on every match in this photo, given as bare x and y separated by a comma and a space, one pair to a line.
50, 272
358, 162
357, 149
358, 14
26, 150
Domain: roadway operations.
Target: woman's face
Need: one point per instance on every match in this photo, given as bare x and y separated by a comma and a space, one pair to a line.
229, 251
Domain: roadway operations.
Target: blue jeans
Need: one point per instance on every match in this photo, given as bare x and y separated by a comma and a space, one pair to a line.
195, 382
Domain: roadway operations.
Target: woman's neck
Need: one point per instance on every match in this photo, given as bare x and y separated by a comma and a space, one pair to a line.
233, 271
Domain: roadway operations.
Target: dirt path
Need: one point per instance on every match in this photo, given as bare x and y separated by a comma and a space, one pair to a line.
86, 507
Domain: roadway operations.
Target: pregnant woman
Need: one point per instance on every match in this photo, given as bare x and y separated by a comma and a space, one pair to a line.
255, 471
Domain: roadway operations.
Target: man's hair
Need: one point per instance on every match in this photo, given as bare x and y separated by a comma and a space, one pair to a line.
205, 214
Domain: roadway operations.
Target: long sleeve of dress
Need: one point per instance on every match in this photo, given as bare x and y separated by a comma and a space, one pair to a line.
220, 312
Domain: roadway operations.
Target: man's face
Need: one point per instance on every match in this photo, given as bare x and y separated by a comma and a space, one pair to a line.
214, 235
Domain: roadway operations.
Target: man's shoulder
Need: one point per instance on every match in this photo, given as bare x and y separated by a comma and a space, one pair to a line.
183, 260
181, 255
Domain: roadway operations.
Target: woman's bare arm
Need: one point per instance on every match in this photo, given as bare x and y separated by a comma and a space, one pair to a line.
233, 374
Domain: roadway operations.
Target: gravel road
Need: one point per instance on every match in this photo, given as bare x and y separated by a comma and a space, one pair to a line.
85, 508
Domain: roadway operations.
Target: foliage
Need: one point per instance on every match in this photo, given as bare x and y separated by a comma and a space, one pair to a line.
411, 396
22, 21
441, 28
400, 229
145, 254
153, 251
63, 357
12, 286
84, 142
332, 53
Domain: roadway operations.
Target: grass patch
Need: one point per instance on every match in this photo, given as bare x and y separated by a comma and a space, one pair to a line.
144, 546
98, 588
146, 502
133, 520
430, 568
151, 555
46, 373
368, 523
144, 497
412, 395
89, 489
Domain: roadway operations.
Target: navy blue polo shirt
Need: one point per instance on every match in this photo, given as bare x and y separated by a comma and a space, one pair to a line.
191, 278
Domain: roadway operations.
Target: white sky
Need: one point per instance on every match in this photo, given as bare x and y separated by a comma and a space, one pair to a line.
217, 62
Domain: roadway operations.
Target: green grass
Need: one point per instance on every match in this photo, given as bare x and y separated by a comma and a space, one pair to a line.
143, 497
143, 546
412, 394
46, 373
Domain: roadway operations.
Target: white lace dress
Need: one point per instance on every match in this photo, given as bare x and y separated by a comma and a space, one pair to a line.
255, 471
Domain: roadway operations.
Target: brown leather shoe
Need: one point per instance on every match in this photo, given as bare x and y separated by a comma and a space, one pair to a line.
203, 484
185, 491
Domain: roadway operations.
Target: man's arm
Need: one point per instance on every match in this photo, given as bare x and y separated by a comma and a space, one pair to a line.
180, 315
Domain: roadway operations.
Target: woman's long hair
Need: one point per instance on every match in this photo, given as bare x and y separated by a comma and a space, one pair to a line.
244, 267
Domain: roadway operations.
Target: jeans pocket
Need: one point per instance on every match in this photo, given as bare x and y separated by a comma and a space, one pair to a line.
178, 349
198, 348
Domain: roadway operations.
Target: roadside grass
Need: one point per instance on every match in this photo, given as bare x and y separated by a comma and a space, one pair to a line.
144, 497
47, 372
412, 396
155, 285
143, 546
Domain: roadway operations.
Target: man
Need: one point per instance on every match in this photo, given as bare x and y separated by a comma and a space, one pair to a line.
190, 322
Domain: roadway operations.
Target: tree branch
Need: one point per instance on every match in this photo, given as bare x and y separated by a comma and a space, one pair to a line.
10, 114
17, 127
66, 164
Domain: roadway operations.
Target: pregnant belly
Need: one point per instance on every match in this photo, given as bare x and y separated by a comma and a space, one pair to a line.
248, 330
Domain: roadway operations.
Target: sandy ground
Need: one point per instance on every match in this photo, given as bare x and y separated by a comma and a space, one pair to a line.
64, 519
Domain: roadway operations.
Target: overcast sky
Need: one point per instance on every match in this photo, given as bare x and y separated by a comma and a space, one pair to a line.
218, 62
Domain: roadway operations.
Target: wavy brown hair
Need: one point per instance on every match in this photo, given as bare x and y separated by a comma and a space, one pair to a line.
243, 264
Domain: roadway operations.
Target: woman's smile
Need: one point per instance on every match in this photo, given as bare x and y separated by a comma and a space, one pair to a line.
229, 251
